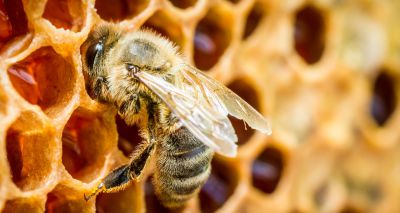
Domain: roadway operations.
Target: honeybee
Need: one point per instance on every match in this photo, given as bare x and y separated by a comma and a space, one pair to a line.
182, 112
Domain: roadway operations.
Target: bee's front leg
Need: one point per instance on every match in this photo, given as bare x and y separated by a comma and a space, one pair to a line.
100, 89
130, 105
120, 178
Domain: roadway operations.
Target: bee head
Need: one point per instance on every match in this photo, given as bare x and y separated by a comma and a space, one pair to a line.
94, 50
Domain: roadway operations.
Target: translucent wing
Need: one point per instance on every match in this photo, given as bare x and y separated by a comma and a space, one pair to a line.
223, 99
206, 123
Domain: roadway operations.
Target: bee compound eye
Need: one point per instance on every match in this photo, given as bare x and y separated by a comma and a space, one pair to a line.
92, 51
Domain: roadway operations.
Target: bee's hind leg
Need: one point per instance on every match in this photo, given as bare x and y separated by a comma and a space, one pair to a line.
116, 180
120, 178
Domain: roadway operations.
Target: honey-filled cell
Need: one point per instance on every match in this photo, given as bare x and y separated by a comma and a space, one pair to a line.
31, 152
66, 14
45, 79
13, 21
85, 144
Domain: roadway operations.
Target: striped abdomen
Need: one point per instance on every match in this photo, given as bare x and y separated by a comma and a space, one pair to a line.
182, 167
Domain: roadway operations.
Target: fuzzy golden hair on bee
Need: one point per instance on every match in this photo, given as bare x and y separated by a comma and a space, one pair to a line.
161, 41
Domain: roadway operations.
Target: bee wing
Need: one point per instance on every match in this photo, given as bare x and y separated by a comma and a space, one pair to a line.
223, 98
210, 126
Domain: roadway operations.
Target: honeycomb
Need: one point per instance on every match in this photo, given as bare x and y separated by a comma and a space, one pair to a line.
326, 73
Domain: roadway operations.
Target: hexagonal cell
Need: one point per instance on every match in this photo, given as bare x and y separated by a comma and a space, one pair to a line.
153, 205
31, 150
125, 200
219, 187
119, 10
309, 33
85, 143
245, 91
31, 204
212, 38
254, 18
44, 78
65, 199
166, 26
66, 14
383, 102
183, 4
13, 20
128, 137
267, 170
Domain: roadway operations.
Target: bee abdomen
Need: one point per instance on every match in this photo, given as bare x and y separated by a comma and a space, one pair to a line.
183, 166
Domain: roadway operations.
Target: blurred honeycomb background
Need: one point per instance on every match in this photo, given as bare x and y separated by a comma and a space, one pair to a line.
326, 73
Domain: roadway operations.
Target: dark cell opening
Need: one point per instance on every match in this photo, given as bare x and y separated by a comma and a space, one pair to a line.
234, 1
219, 187
83, 143
267, 170
44, 78
309, 35
247, 93
210, 41
119, 10
153, 205
383, 98
253, 19
183, 3
13, 20
64, 14
166, 27
350, 209
128, 137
